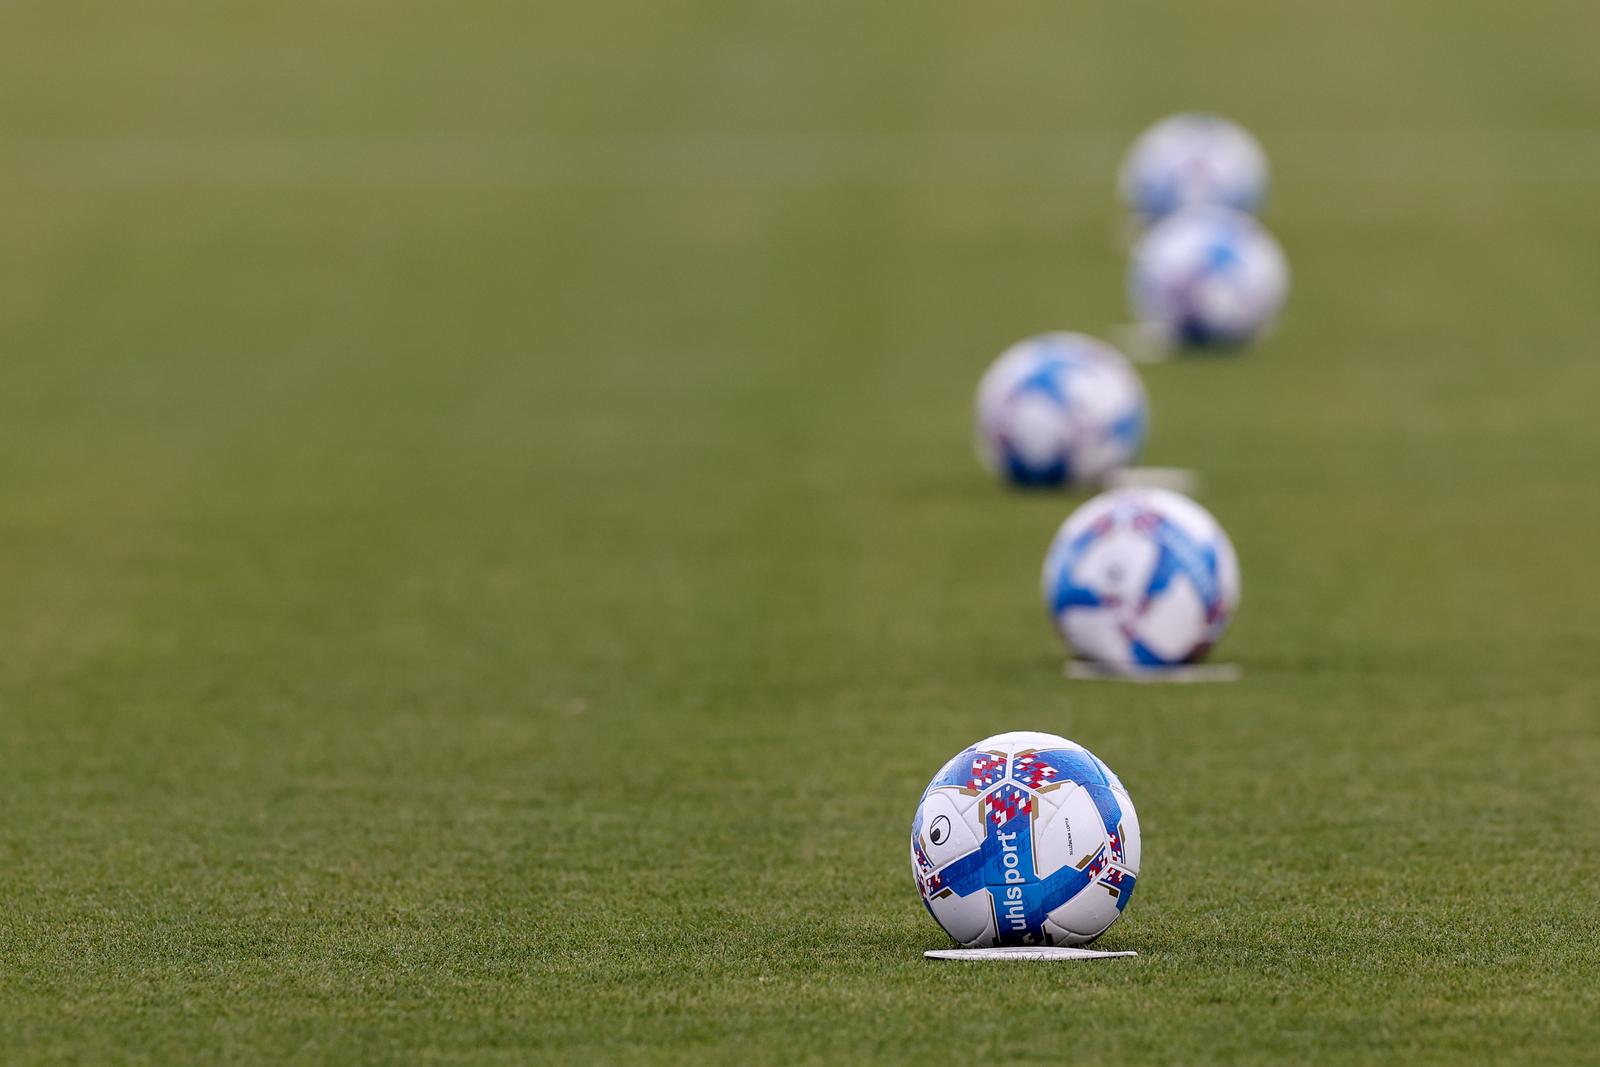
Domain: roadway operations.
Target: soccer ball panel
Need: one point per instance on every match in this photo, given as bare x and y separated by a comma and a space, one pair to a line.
1113, 864
1084, 917
1072, 834
1195, 520
1017, 740
1116, 566
945, 830
1036, 433
1229, 582
968, 920
1171, 625
1095, 634
1132, 840
969, 773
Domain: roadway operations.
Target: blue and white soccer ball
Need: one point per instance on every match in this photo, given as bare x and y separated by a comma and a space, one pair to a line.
1193, 160
1209, 277
1059, 409
1141, 578
1025, 839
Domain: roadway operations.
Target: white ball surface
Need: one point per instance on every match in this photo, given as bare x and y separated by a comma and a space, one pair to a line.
1209, 277
1025, 839
1141, 578
1060, 409
1193, 160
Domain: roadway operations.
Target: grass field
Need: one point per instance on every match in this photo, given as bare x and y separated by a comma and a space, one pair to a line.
491, 552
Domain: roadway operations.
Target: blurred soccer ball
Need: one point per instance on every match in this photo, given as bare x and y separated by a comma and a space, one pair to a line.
1209, 276
1193, 160
1060, 408
1025, 839
1141, 578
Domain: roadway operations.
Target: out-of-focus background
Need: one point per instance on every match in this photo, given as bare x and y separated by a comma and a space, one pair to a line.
490, 550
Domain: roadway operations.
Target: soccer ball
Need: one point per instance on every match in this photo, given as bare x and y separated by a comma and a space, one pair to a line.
1141, 578
1058, 409
1193, 160
1025, 839
1209, 276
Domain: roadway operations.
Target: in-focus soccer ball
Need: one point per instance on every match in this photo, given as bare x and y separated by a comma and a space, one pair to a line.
1209, 276
1141, 578
1059, 409
1193, 160
1025, 839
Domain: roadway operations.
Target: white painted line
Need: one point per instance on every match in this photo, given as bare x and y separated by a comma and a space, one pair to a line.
1023, 952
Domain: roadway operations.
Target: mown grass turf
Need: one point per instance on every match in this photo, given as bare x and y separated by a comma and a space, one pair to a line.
490, 551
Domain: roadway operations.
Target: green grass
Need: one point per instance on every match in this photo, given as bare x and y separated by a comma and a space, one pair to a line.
490, 550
